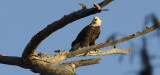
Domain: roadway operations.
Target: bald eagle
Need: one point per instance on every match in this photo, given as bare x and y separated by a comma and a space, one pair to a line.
88, 35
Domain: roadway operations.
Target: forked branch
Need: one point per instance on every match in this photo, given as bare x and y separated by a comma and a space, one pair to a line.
74, 64
63, 55
115, 50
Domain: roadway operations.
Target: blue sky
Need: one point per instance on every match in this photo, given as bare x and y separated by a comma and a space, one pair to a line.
20, 20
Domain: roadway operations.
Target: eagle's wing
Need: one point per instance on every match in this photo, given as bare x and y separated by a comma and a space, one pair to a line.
81, 36
89, 34
93, 39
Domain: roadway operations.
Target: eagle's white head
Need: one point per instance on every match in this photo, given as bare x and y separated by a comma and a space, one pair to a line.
96, 21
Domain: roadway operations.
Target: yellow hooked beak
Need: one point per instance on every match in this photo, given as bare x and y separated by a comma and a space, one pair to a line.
95, 19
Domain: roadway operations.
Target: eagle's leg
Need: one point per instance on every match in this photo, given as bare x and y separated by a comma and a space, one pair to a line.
92, 44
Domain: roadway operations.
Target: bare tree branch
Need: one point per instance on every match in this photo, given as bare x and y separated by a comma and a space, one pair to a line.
74, 64
44, 68
40, 36
68, 68
104, 3
83, 5
36, 66
106, 52
62, 55
56, 59
97, 6
10, 60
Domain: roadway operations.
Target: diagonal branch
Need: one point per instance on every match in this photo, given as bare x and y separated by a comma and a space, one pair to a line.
106, 52
106, 44
74, 64
43, 34
84, 62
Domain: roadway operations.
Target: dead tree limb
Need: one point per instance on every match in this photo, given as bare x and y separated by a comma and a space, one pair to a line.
74, 64
106, 52
9, 60
63, 55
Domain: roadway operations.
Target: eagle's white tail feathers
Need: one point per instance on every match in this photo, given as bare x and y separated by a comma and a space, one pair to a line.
75, 47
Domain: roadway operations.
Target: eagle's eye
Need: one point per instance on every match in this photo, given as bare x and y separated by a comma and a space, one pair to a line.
95, 19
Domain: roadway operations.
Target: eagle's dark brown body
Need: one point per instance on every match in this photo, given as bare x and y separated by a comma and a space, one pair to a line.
87, 36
